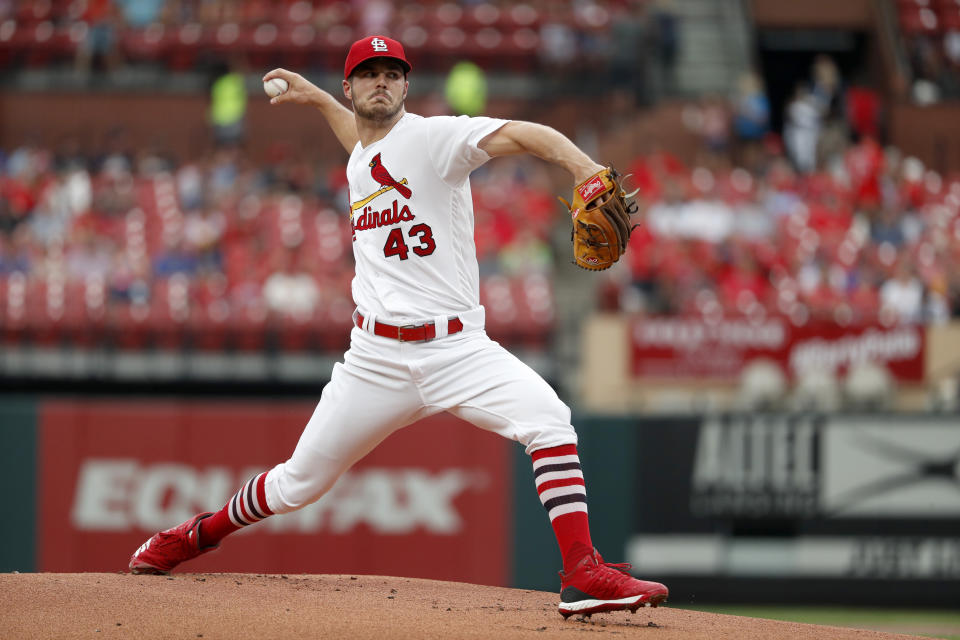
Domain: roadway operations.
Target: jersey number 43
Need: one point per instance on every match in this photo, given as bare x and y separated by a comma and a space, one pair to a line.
396, 244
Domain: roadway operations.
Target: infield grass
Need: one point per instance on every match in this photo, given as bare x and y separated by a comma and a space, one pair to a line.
932, 623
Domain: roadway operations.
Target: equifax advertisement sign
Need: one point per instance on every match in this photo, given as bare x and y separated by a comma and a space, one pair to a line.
696, 348
431, 501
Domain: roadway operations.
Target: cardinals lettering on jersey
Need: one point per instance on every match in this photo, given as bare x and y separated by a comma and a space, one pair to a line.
371, 218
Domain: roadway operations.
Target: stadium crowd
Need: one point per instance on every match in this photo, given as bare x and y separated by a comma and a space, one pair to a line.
930, 30
819, 223
864, 236
874, 239
548, 36
134, 236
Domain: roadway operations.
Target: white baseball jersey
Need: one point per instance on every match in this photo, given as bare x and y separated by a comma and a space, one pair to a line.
412, 218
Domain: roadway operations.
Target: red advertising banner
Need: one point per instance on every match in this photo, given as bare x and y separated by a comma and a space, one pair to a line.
431, 501
695, 348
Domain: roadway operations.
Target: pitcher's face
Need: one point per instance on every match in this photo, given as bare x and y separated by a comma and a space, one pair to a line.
377, 89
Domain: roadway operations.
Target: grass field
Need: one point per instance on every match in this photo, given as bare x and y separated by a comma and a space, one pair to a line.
933, 623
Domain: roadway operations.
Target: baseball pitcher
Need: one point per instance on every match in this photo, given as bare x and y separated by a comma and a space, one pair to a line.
419, 346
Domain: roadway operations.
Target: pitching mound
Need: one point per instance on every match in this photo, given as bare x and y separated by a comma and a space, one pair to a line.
230, 606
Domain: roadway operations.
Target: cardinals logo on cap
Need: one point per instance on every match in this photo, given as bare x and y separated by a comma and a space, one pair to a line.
374, 47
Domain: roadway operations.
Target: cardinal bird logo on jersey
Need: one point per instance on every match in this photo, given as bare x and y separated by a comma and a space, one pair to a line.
381, 175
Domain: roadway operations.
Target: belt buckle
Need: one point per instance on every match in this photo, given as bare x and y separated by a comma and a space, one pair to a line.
400, 332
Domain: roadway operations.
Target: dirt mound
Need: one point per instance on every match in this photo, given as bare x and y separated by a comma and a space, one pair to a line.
235, 605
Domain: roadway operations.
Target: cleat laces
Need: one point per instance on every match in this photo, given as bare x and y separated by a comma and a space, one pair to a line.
613, 575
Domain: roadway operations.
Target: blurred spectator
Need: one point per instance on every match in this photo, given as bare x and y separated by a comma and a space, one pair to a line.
865, 163
203, 231
632, 53
901, 297
751, 119
20, 187
376, 16
951, 47
52, 215
934, 79
827, 92
98, 50
129, 278
228, 103
114, 156
864, 301
175, 257
826, 86
290, 290
801, 130
715, 129
863, 112
526, 253
558, 47
668, 44
89, 255
190, 186
936, 304
223, 173
742, 285
887, 228
13, 255
466, 89
151, 162
140, 13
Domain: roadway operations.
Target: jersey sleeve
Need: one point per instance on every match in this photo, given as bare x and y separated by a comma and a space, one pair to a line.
452, 143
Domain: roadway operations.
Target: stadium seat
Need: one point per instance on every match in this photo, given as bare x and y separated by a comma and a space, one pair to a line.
922, 20
147, 45
181, 46
869, 386
170, 309
127, 328
762, 386
247, 329
84, 320
335, 321
13, 307
298, 46
950, 16
816, 390
295, 333
208, 326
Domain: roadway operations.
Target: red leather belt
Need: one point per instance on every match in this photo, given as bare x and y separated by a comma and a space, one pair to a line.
411, 332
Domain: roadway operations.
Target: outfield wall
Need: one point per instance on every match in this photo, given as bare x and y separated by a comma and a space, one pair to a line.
432, 501
853, 509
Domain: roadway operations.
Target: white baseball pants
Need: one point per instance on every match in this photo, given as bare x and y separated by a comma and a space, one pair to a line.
384, 384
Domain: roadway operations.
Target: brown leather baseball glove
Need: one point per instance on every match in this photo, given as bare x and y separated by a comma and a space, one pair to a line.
601, 220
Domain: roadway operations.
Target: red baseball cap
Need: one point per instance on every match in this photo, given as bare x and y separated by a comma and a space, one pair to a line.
374, 47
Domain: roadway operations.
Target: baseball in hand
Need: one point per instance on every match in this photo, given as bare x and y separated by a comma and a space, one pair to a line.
275, 87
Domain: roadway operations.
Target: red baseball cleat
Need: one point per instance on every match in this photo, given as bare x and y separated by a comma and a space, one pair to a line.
167, 549
595, 586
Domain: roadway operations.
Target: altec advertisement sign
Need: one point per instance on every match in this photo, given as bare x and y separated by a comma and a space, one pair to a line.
695, 348
430, 502
873, 497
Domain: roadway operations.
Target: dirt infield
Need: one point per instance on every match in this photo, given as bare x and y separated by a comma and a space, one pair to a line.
232, 606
